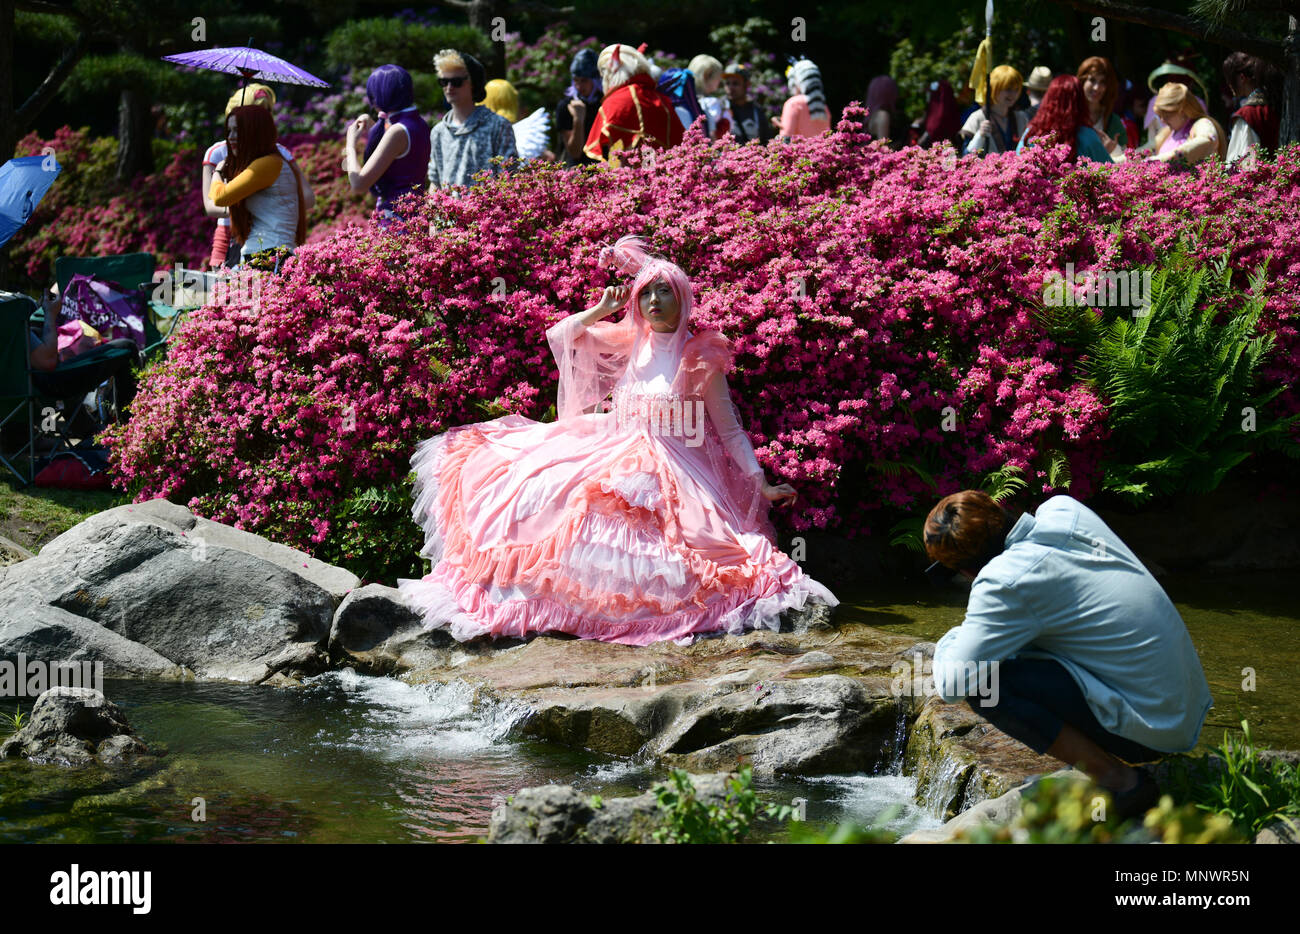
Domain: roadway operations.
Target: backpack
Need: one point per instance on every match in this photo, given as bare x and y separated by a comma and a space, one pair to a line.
113, 311
75, 470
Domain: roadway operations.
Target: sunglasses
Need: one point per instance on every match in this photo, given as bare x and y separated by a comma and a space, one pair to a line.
453, 82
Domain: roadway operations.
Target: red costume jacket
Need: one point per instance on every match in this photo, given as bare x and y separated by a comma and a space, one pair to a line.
631, 114
1261, 117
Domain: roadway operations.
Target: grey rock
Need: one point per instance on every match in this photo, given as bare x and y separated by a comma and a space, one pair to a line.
222, 603
1278, 831
812, 661
75, 727
11, 552
812, 617
807, 726
165, 514
561, 814
48, 633
375, 632
993, 811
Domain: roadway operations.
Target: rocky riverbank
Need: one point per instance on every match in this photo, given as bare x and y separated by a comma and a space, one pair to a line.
154, 592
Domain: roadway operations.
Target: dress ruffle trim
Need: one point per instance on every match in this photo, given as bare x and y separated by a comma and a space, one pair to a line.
599, 559
439, 599
705, 352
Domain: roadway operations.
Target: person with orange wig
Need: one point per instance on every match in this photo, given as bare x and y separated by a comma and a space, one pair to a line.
1101, 88
267, 207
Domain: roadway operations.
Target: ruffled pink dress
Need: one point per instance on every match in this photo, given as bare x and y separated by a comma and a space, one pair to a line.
635, 521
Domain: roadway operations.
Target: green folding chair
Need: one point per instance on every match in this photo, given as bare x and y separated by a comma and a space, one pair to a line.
129, 270
46, 398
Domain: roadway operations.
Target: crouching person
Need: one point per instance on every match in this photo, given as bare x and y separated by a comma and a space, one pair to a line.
1090, 661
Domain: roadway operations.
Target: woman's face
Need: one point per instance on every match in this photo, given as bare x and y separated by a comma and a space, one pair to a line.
659, 306
1174, 119
1094, 87
232, 134
1003, 101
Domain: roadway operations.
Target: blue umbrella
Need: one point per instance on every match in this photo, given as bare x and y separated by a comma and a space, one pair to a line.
23, 183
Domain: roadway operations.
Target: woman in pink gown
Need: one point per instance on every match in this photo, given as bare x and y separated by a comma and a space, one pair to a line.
633, 518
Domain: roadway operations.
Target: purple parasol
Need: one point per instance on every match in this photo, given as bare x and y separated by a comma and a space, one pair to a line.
251, 64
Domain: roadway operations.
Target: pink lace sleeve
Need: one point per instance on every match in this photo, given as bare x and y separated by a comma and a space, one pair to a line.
589, 360
717, 399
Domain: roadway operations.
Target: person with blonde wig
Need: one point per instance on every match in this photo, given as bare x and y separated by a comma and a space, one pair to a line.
639, 515
1189, 134
708, 81
531, 132
996, 127
634, 112
1068, 644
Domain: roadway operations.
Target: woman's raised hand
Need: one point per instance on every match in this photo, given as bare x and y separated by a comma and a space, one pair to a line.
360, 127
614, 298
782, 493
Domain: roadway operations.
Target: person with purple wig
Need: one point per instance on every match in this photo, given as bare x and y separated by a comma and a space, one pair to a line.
396, 156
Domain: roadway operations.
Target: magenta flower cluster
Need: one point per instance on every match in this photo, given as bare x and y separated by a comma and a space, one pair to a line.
882, 306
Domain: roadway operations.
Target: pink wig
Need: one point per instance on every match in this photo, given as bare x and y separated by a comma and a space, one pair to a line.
590, 366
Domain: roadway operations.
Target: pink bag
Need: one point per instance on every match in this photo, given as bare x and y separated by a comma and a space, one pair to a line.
75, 338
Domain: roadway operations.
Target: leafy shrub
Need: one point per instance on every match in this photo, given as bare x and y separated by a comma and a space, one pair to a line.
689, 820
1182, 381
368, 43
1237, 783
1057, 810
373, 534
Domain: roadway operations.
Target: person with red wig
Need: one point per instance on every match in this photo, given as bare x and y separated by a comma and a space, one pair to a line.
1064, 117
267, 209
639, 515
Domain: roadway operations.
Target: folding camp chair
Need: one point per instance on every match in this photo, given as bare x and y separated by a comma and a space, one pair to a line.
131, 271
50, 398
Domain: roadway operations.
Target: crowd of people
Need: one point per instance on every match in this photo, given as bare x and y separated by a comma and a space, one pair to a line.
616, 101
619, 100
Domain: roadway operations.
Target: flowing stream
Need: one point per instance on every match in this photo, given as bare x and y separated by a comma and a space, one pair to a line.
352, 758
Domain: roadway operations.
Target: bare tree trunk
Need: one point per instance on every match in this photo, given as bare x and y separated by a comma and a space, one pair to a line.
134, 135
1289, 132
481, 14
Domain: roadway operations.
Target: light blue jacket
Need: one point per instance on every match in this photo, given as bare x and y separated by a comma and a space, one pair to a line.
1065, 587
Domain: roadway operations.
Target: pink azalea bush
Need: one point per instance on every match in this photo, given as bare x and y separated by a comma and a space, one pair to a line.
882, 306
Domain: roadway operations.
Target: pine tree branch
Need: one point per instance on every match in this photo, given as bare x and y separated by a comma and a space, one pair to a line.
1270, 49
44, 94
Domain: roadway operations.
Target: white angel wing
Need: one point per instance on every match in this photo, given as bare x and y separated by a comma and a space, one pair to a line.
532, 134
